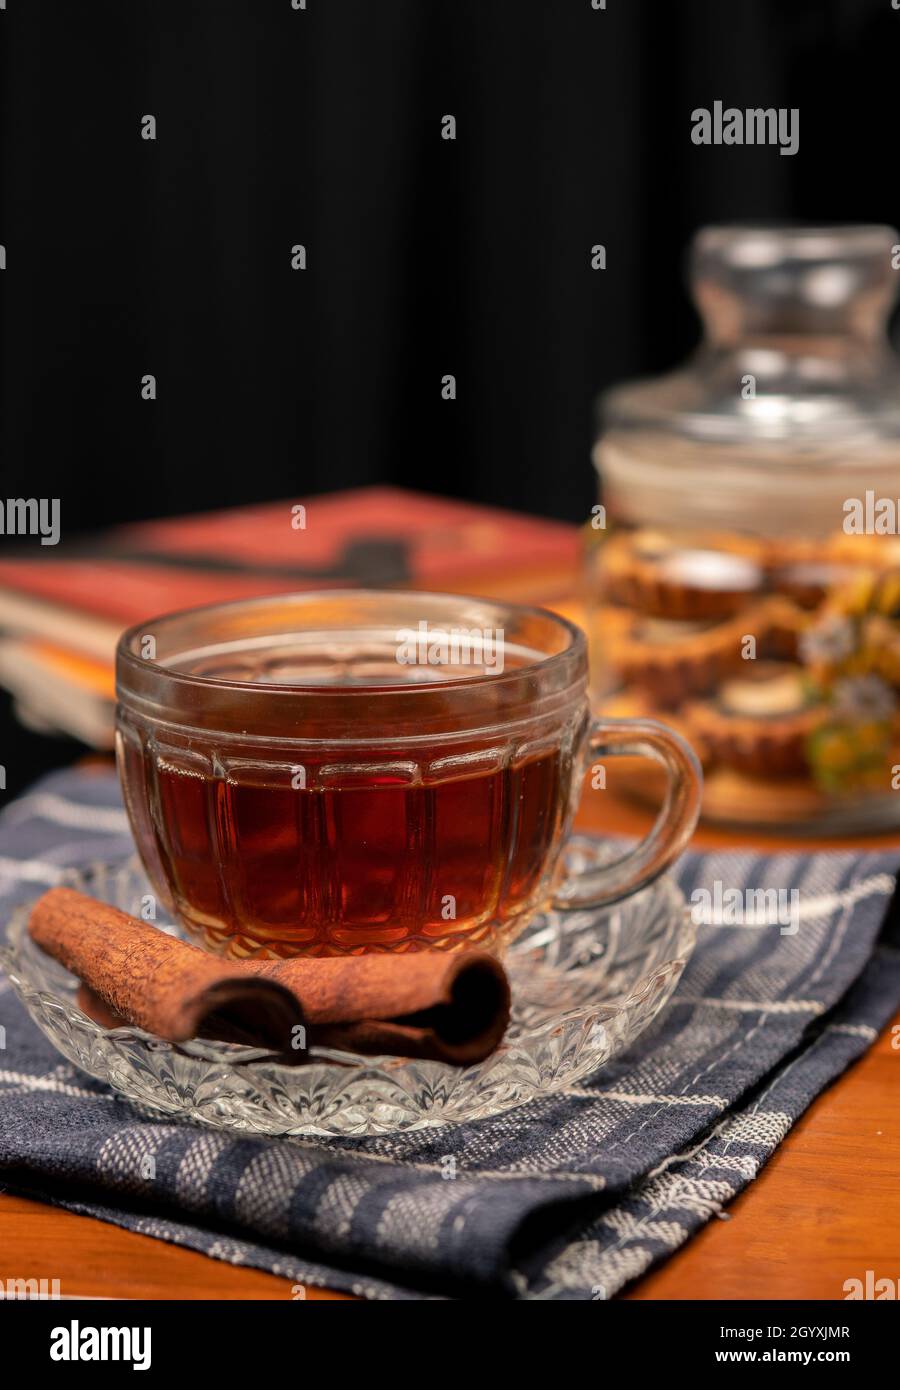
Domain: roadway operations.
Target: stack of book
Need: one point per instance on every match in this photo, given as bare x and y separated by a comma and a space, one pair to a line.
62, 610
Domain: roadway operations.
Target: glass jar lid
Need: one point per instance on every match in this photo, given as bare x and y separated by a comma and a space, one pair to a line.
795, 344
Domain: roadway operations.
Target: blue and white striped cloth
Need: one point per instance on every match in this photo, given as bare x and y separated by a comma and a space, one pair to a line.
568, 1198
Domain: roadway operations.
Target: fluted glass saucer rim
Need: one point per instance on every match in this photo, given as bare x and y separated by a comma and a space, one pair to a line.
594, 1031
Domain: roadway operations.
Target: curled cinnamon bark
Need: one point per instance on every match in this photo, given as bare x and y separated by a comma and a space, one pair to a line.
452, 1007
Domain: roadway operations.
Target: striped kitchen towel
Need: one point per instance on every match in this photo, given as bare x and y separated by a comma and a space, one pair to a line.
569, 1197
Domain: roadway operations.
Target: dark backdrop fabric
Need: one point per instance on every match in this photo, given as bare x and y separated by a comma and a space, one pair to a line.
322, 127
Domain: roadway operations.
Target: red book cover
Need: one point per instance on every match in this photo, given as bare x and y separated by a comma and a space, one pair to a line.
372, 537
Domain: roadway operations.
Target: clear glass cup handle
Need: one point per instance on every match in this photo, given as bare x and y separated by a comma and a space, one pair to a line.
640, 738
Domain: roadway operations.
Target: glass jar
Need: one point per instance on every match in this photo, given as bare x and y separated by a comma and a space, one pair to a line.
745, 557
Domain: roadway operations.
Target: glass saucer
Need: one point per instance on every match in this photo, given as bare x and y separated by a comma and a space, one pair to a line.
584, 985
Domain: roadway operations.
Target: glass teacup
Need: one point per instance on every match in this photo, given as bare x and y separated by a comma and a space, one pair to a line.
335, 773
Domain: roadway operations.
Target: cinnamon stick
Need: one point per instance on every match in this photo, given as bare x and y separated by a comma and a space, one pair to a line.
452, 1007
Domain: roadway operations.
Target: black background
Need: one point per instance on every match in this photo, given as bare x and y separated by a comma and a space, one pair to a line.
425, 257
323, 127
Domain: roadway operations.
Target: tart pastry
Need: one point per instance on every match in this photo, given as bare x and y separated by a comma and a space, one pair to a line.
759, 722
680, 580
631, 704
875, 552
643, 777
808, 570
808, 583
674, 660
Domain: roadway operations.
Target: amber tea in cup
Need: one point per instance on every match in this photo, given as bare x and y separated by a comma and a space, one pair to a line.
346, 772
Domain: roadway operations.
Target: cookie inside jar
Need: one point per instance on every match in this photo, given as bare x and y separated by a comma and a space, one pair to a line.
778, 659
